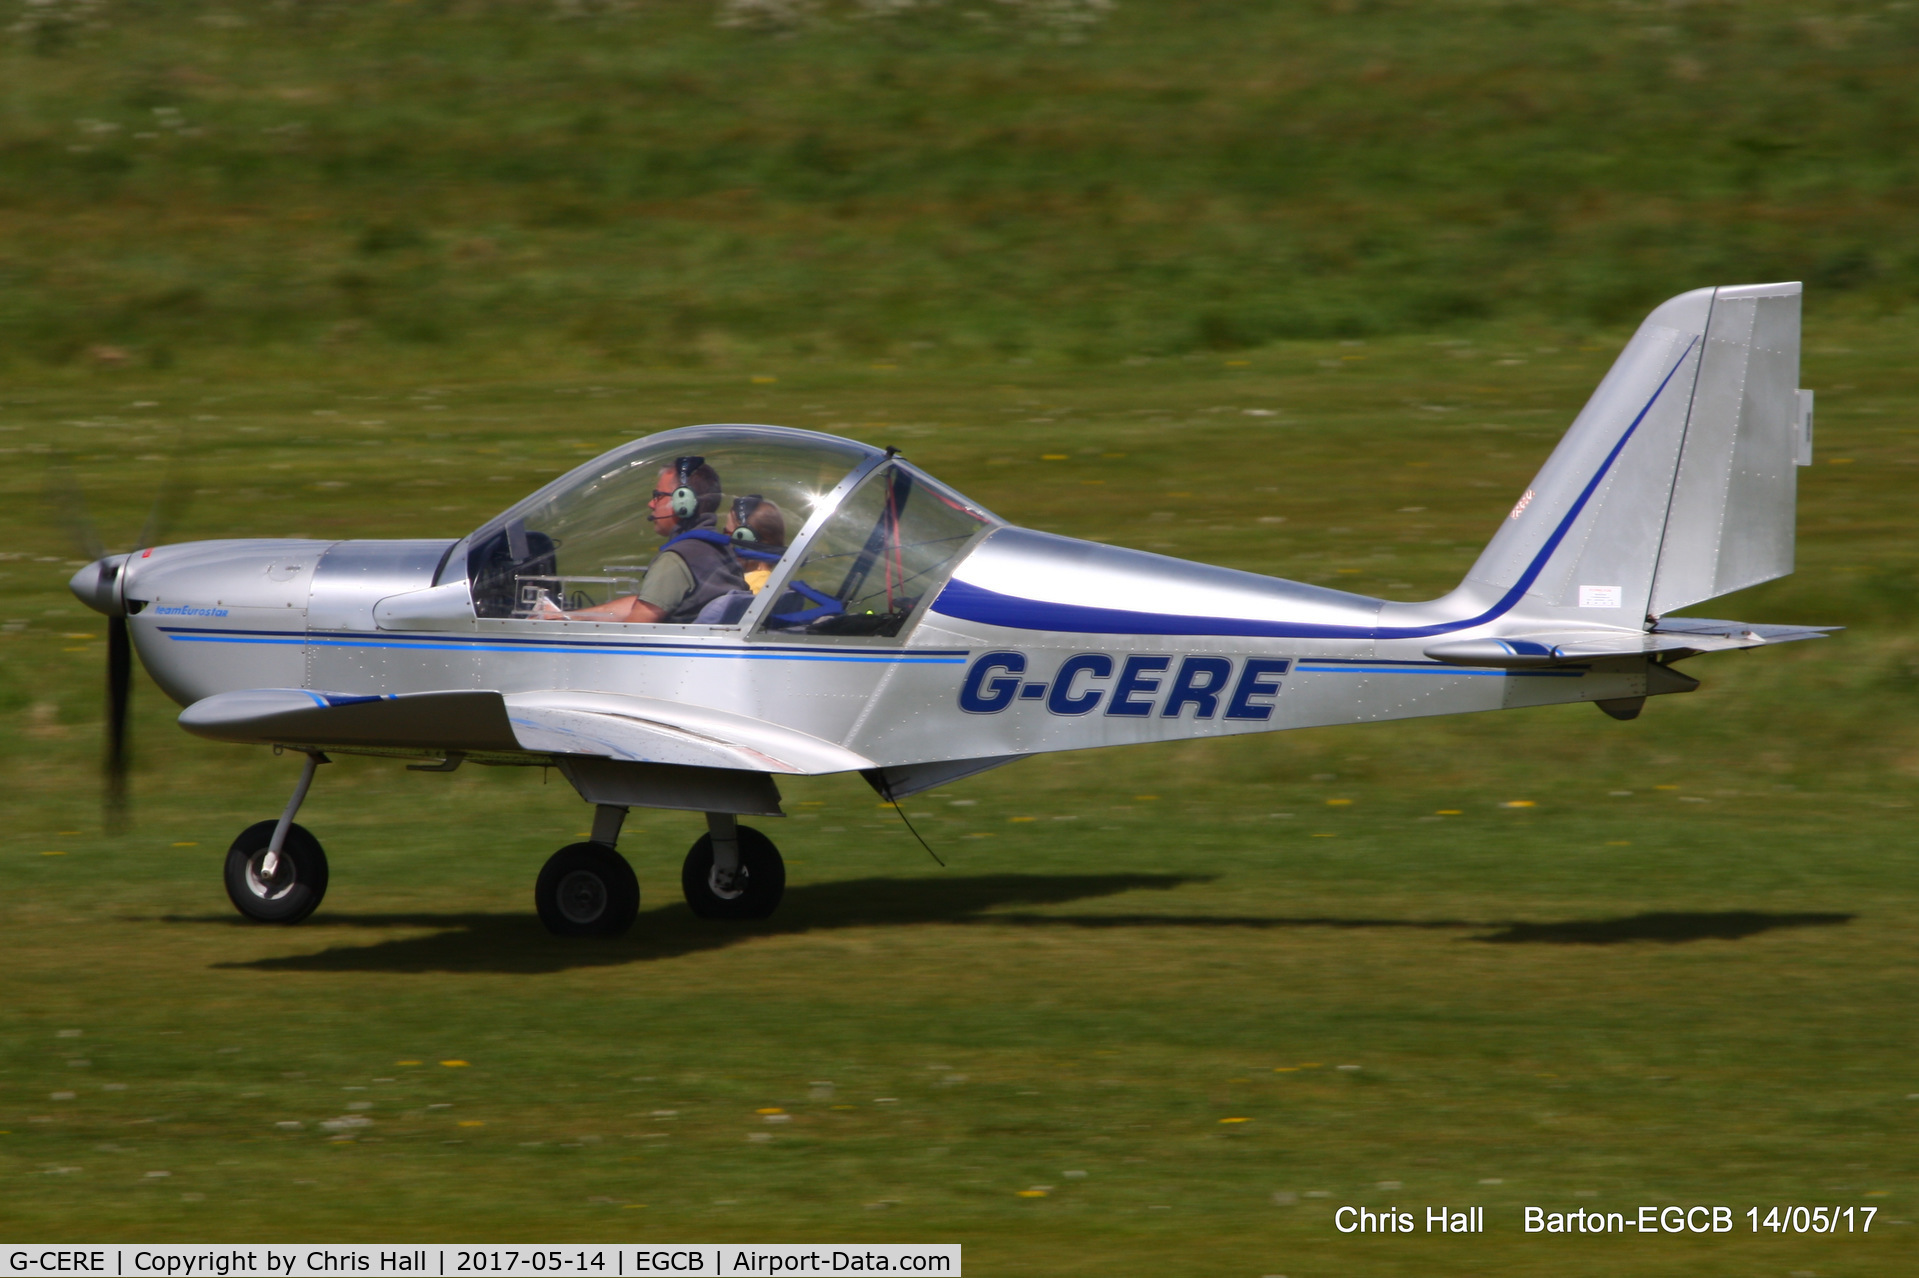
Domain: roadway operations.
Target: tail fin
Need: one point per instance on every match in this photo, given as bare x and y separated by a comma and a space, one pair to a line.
1676, 482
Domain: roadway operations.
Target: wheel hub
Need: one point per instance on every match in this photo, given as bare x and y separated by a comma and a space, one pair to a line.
728, 886
270, 887
582, 896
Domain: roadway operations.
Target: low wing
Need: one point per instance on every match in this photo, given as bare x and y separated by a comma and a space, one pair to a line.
1681, 636
469, 721
602, 725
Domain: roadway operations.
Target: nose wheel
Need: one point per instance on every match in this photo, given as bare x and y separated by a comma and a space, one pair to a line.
270, 887
749, 889
587, 889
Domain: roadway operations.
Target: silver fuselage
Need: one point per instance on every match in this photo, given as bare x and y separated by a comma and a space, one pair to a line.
221, 616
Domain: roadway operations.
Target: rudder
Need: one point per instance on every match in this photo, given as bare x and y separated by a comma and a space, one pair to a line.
1734, 502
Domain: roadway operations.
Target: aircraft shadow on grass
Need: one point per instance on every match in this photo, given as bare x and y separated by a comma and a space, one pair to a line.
515, 942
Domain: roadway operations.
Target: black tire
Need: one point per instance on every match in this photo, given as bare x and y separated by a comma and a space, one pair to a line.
762, 879
587, 889
298, 883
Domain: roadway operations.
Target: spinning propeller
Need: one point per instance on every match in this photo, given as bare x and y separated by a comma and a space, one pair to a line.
98, 586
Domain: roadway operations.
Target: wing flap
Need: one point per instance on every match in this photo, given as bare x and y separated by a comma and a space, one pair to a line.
648, 730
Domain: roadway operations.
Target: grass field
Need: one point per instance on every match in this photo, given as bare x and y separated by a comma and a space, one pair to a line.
204, 180
1684, 975
378, 269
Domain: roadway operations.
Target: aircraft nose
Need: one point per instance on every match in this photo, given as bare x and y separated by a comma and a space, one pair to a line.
98, 585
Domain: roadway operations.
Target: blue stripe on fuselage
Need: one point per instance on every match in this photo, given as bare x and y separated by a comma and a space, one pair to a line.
884, 656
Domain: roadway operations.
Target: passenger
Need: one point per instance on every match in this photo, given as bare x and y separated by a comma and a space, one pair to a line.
758, 529
695, 566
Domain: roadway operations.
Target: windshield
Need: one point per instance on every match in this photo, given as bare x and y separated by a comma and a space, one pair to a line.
681, 527
886, 548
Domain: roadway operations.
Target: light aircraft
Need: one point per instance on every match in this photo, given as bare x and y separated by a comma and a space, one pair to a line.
906, 633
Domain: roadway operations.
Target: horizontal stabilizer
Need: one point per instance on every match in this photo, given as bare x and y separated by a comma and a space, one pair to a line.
1754, 635
1682, 636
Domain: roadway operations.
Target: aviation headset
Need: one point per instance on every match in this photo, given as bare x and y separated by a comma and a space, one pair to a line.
743, 508
686, 502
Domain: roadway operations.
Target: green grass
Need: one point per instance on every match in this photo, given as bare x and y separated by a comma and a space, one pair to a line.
381, 268
1696, 992
192, 183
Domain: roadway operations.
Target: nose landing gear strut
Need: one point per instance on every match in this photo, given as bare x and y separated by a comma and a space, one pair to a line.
276, 871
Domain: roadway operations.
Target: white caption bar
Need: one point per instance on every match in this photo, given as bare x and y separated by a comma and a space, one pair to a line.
569, 1260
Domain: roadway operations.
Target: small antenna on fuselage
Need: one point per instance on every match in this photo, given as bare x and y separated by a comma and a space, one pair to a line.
885, 788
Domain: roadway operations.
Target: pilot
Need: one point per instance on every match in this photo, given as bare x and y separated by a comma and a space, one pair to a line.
695, 566
758, 529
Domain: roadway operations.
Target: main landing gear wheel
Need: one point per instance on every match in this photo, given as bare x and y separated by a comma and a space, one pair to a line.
587, 889
751, 892
287, 890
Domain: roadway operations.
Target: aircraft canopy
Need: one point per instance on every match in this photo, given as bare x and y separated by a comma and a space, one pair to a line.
839, 536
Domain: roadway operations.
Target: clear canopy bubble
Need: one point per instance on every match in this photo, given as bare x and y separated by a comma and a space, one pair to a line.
849, 540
